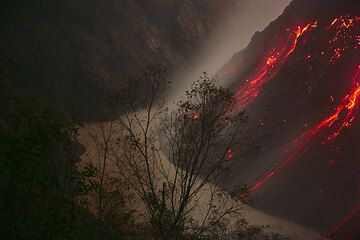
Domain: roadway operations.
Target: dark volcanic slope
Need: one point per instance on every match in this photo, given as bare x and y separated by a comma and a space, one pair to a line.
74, 51
299, 80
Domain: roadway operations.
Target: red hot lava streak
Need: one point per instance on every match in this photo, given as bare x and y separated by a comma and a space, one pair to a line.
343, 222
341, 118
341, 30
270, 67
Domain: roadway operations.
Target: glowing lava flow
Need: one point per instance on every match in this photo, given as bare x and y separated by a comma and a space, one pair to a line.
340, 27
336, 122
343, 222
342, 39
271, 66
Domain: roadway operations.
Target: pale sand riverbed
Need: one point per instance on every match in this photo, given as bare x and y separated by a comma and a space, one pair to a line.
252, 215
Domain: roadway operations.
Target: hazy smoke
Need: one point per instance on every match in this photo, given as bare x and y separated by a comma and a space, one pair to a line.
230, 38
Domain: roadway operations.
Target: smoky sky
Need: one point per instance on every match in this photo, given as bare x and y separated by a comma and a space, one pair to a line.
231, 37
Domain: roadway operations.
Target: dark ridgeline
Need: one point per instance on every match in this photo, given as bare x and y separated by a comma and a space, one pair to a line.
75, 53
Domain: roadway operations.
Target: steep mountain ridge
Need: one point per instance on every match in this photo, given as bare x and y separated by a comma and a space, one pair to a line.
75, 52
299, 82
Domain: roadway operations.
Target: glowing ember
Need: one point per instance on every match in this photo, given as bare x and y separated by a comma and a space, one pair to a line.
332, 24
230, 154
270, 67
196, 116
331, 163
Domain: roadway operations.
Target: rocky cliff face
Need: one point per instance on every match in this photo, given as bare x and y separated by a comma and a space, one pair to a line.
299, 80
74, 52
